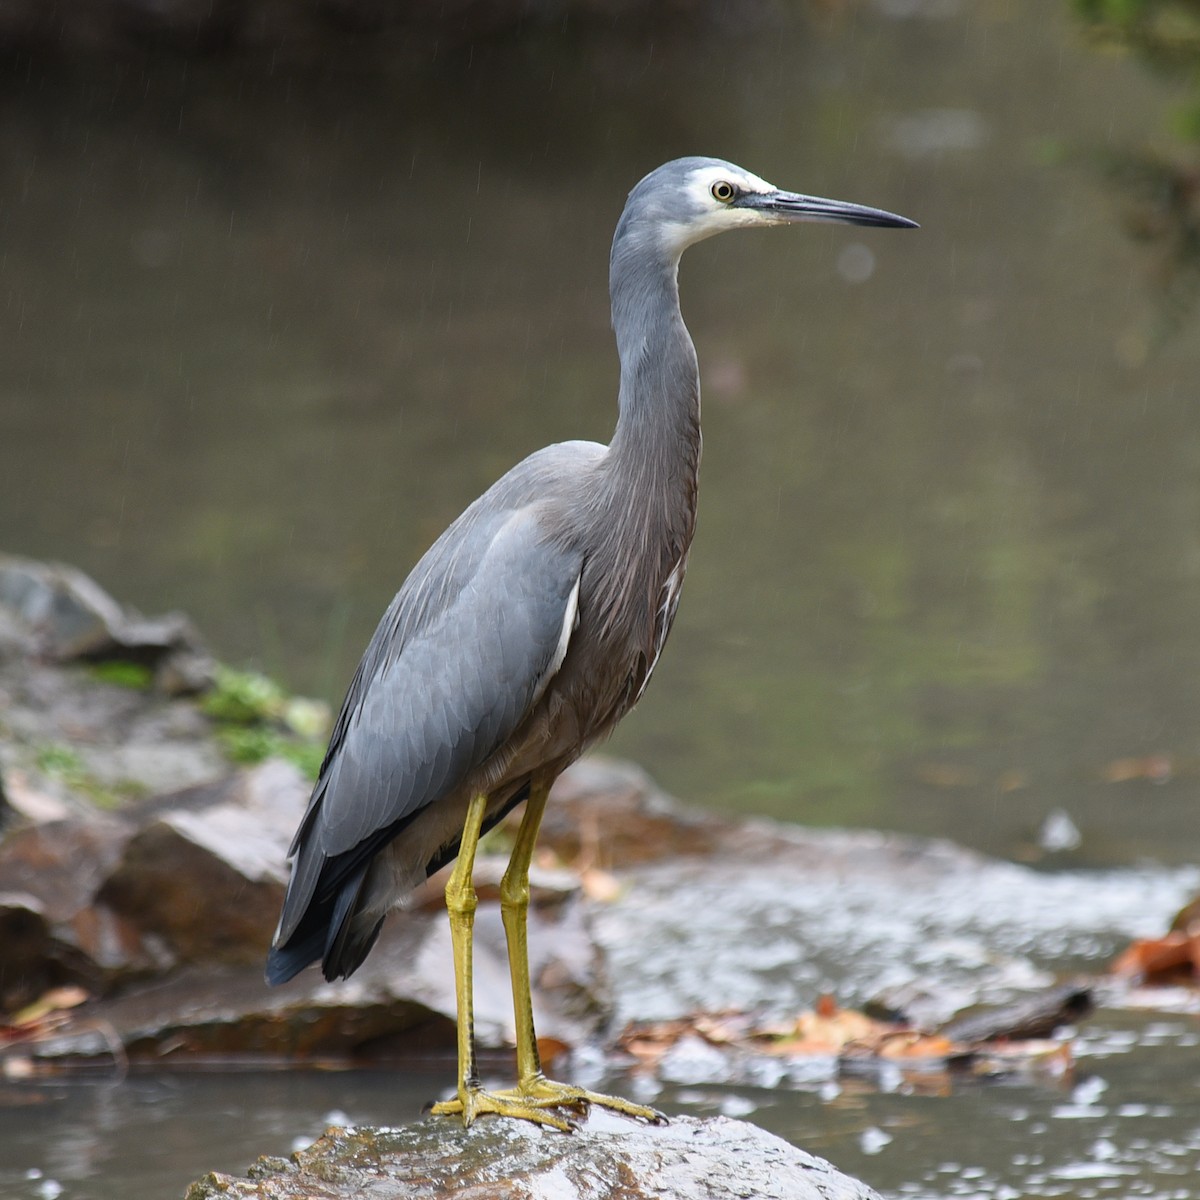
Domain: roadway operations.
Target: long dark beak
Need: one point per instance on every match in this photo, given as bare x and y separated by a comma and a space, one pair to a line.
789, 206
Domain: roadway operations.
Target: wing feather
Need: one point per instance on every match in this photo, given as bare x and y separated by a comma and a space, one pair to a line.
456, 664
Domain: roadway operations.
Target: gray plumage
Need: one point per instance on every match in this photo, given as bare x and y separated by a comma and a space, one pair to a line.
534, 623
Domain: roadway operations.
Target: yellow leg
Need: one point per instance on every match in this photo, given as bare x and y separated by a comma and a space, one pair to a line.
460, 904
533, 1088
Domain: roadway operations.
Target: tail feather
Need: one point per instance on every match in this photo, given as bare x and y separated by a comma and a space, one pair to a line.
333, 929
286, 961
325, 913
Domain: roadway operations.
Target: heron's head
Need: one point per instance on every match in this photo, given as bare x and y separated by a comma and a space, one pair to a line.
690, 199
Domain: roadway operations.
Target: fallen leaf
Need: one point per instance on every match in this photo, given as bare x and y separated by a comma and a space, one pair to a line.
1155, 768
1163, 959
54, 1000
550, 1049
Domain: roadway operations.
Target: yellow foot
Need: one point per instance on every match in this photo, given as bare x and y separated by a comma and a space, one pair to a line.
540, 1092
475, 1102
531, 1100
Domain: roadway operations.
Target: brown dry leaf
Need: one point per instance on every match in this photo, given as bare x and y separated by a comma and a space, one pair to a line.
827, 1007
645, 1050
723, 1029
652, 1041
550, 1049
827, 1030
1163, 959
843, 1033
906, 1044
1156, 768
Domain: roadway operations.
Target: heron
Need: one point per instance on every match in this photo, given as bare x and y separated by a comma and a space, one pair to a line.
520, 639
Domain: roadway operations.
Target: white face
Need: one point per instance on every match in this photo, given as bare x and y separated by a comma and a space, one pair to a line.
716, 216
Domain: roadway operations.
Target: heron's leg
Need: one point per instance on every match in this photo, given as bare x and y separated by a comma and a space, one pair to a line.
532, 1086
460, 905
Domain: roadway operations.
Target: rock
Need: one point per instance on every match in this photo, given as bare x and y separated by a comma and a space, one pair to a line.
82, 724
205, 873
606, 1156
51, 933
614, 813
399, 1005
164, 911
100, 900
783, 914
20, 803
73, 617
1037, 1016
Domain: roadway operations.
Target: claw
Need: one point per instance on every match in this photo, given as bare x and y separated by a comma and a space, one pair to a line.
532, 1100
475, 1102
540, 1092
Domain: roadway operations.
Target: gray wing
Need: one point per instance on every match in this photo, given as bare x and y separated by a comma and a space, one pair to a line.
459, 659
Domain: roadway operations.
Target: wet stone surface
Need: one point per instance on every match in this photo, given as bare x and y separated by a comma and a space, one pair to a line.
783, 914
606, 1156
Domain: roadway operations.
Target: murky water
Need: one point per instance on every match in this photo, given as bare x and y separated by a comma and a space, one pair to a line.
266, 329
1125, 1124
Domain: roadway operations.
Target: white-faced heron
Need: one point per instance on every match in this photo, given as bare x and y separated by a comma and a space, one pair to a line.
521, 638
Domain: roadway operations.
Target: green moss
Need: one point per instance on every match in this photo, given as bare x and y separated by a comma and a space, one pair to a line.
257, 720
136, 676
243, 697
65, 764
60, 761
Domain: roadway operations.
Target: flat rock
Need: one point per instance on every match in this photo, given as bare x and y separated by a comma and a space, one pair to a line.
605, 1157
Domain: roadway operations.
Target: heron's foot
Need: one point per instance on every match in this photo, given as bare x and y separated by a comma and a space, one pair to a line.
534, 1099
540, 1092
473, 1102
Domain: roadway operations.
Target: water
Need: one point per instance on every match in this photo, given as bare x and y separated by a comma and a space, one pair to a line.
268, 327
1123, 1125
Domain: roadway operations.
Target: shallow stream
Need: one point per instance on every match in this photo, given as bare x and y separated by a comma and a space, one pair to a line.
268, 327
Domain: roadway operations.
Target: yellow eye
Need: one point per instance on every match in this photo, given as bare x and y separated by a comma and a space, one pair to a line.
722, 191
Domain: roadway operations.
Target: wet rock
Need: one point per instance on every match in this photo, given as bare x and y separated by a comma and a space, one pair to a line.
1038, 1016
105, 899
399, 1005
51, 932
22, 804
783, 914
79, 723
206, 870
73, 617
606, 1156
612, 813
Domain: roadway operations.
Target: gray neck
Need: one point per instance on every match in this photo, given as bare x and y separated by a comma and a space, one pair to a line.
654, 457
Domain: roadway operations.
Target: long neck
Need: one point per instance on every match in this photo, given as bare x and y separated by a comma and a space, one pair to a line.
654, 457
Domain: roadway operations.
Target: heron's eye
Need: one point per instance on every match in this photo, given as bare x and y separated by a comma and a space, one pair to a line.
723, 191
